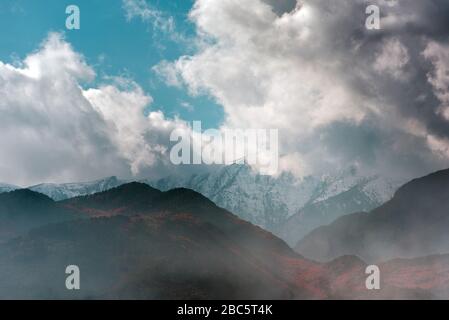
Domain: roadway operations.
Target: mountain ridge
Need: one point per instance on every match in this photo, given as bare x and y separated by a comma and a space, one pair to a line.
412, 224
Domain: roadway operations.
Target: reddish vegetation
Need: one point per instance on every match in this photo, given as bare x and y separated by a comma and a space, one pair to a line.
424, 273
308, 275
96, 213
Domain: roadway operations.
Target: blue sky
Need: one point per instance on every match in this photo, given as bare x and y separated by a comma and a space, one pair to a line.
112, 44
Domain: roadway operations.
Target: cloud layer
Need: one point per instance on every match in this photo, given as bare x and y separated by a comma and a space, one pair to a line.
339, 93
54, 130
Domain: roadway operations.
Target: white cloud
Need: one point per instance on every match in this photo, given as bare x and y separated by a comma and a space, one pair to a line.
169, 74
160, 21
54, 130
266, 70
141, 9
260, 70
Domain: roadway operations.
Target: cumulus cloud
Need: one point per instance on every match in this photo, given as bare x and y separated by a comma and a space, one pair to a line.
339, 93
54, 130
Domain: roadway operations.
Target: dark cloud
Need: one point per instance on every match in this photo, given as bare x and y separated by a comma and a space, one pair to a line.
403, 93
338, 92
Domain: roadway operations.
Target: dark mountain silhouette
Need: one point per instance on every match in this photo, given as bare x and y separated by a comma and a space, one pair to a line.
414, 223
23, 210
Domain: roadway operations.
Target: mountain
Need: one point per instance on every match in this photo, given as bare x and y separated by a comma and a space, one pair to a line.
141, 243
22, 210
136, 242
7, 187
285, 205
262, 200
70, 190
413, 223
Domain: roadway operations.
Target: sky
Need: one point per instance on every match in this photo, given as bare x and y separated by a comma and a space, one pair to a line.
78, 105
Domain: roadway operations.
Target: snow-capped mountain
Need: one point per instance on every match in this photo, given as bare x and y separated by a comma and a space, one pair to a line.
4, 187
70, 190
287, 206
336, 197
262, 200
284, 205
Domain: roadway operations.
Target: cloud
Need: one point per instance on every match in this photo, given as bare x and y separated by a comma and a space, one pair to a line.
54, 130
141, 9
338, 93
161, 22
165, 70
438, 54
392, 59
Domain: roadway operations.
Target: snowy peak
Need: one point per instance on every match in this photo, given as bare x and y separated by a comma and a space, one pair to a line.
378, 189
4, 187
64, 191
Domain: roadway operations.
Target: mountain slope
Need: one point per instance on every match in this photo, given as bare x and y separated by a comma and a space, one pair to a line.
414, 223
325, 211
421, 278
285, 205
23, 210
262, 200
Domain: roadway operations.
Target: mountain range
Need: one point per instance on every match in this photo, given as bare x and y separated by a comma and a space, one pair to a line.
137, 242
64, 191
287, 206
